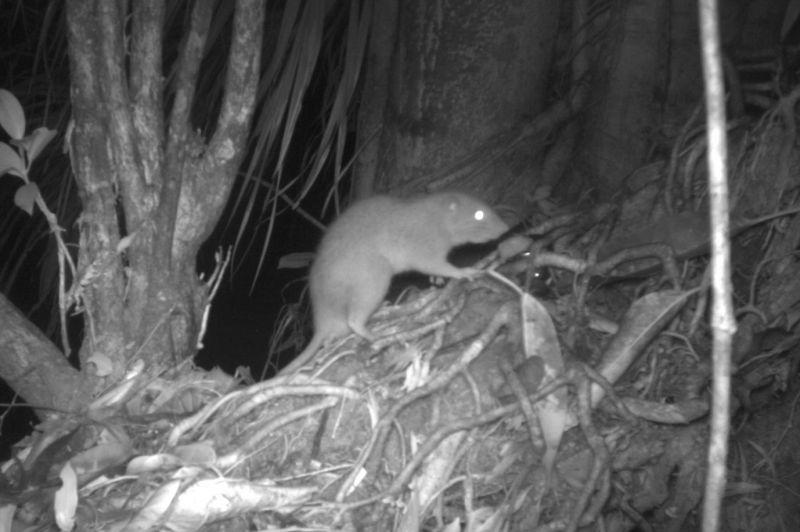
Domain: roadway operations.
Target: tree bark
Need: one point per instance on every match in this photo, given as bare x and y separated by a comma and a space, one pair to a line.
374, 97
628, 92
34, 367
461, 76
151, 191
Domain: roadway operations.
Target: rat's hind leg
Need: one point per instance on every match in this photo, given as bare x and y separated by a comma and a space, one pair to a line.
364, 298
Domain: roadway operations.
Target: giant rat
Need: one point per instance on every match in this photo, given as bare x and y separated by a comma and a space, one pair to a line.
377, 238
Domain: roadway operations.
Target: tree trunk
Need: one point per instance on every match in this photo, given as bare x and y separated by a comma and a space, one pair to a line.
163, 183
627, 91
151, 189
460, 77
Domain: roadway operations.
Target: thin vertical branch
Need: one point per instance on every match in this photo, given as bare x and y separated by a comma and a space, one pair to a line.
111, 60
722, 320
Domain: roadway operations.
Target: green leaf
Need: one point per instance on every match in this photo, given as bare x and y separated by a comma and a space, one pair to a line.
301, 259
65, 500
643, 321
26, 196
11, 162
12, 118
36, 141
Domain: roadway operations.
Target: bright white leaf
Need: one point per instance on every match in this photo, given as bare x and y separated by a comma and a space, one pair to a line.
26, 196
197, 453
66, 498
12, 118
7, 512
103, 365
125, 242
102, 456
36, 141
295, 260
151, 462
11, 162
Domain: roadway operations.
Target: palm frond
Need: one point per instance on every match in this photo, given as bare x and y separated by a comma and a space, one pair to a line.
279, 130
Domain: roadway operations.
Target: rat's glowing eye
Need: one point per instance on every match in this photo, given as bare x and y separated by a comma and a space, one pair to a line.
480, 215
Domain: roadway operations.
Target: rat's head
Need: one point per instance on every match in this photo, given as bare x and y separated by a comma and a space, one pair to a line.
468, 219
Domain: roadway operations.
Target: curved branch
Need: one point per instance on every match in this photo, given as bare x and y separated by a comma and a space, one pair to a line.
34, 367
203, 198
177, 169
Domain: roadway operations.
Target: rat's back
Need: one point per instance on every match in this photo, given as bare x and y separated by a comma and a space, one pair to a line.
381, 236
349, 274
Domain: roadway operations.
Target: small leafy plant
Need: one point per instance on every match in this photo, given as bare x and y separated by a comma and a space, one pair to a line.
16, 158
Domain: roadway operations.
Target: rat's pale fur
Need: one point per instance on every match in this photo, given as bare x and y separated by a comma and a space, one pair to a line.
377, 238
